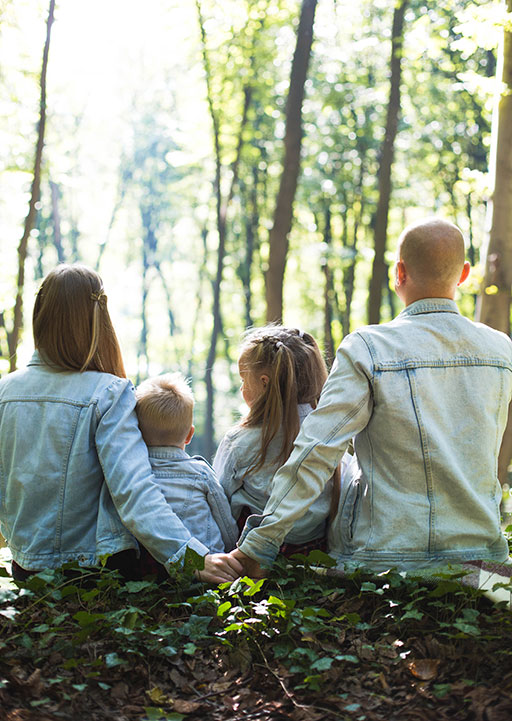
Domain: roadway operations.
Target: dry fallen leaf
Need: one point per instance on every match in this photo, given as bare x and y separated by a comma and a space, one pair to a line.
424, 668
184, 706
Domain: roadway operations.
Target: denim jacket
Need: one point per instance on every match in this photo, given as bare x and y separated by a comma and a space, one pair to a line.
237, 453
426, 397
190, 486
75, 479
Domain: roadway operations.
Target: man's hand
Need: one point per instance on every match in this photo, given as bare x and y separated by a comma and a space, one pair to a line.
219, 568
251, 567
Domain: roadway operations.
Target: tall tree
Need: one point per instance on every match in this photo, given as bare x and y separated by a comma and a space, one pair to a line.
222, 204
379, 269
278, 238
494, 303
14, 335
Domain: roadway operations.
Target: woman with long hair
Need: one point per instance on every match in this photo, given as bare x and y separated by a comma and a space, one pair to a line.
75, 479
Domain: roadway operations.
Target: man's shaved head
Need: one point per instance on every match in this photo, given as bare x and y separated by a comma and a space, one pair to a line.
433, 253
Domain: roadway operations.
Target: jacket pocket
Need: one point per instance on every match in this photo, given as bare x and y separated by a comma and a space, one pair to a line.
349, 512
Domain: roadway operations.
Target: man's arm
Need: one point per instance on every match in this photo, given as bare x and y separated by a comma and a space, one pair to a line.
344, 410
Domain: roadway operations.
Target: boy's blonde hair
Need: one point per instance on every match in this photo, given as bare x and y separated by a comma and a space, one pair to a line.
165, 407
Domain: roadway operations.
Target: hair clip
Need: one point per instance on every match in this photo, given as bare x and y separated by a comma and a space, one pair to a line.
279, 344
99, 296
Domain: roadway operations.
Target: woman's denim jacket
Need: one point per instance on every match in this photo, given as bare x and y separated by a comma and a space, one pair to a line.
237, 453
193, 491
75, 479
426, 397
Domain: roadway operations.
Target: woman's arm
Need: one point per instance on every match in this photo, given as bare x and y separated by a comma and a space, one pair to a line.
138, 499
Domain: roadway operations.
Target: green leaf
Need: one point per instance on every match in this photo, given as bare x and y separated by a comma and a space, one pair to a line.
412, 613
112, 659
138, 586
158, 714
440, 690
84, 618
346, 657
223, 608
322, 664
192, 561
319, 558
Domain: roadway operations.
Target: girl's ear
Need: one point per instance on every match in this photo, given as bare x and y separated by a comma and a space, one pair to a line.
264, 380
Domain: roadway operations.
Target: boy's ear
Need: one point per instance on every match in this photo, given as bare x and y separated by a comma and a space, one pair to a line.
190, 435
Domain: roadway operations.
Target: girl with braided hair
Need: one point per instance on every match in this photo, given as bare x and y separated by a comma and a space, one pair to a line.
282, 372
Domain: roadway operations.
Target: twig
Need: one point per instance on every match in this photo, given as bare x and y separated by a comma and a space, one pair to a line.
288, 694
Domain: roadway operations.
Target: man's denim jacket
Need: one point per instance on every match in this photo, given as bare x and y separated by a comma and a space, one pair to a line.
191, 488
75, 479
426, 397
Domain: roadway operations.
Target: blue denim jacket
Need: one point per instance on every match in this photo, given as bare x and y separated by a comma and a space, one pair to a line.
426, 397
190, 486
237, 453
75, 479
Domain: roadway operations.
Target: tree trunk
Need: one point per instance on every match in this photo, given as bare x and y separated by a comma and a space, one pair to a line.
328, 288
493, 307
14, 335
57, 235
379, 269
278, 238
222, 207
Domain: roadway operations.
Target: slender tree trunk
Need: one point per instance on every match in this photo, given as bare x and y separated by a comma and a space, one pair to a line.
379, 270
222, 207
57, 235
14, 335
328, 288
142, 355
278, 239
493, 307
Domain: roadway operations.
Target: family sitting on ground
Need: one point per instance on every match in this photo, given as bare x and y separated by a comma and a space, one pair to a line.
91, 467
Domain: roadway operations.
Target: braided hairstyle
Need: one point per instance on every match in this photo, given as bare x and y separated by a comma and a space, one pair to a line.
296, 370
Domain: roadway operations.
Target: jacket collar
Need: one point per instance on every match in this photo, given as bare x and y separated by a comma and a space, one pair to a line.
167, 452
430, 305
36, 359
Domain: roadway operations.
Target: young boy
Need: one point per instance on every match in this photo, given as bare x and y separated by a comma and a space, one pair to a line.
164, 408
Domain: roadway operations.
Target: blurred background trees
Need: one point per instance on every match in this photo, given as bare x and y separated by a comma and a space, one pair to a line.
166, 132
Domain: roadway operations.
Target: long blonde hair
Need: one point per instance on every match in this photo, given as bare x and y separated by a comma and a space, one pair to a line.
296, 371
71, 323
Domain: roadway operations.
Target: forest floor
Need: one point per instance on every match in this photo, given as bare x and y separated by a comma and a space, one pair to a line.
297, 645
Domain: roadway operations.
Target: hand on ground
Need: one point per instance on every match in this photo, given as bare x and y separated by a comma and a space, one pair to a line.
251, 567
219, 568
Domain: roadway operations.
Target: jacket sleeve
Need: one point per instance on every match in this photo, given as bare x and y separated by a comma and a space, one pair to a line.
221, 512
137, 497
344, 410
225, 466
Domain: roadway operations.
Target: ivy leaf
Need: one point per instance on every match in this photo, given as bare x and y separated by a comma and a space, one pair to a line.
192, 561
322, 664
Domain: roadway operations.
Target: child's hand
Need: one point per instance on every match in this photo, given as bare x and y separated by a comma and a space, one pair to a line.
219, 568
251, 567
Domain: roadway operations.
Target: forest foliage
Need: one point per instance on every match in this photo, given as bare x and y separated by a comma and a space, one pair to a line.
297, 645
164, 146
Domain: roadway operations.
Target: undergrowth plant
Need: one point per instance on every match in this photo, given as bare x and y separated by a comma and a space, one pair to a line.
305, 623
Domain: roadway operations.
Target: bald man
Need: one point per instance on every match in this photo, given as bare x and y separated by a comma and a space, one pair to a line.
425, 398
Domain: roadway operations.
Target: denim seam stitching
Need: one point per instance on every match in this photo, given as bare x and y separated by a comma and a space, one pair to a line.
426, 463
